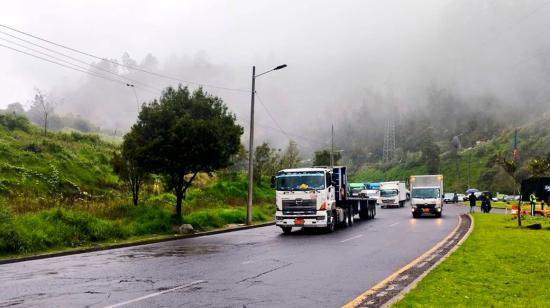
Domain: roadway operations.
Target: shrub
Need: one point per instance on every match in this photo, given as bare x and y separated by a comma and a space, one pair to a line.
12, 122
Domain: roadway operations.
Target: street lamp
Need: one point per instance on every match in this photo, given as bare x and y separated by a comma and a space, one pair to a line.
251, 142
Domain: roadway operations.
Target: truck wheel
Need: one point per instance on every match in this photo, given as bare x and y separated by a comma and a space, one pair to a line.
286, 230
438, 215
350, 217
401, 203
415, 215
330, 228
344, 222
373, 211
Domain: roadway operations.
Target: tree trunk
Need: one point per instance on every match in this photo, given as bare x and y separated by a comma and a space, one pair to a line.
135, 191
45, 124
179, 194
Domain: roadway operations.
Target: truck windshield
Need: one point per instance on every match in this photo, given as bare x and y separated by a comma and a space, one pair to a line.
425, 193
300, 181
388, 193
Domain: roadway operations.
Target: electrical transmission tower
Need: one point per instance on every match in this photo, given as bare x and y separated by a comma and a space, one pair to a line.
388, 152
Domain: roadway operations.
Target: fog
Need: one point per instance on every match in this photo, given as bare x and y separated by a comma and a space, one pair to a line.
350, 63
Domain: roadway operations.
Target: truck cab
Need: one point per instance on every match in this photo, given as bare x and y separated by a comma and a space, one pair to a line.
426, 195
305, 197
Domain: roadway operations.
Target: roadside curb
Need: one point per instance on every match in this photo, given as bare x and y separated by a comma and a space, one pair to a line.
384, 293
413, 284
137, 243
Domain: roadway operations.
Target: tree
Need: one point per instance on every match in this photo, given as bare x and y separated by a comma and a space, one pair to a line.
15, 108
539, 166
291, 156
430, 151
511, 168
127, 168
266, 161
322, 158
182, 134
41, 108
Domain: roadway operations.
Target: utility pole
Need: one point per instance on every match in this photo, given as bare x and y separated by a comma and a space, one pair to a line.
251, 151
469, 163
332, 148
251, 144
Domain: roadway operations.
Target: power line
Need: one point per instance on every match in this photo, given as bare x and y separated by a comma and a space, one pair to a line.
66, 66
78, 66
125, 65
271, 116
70, 57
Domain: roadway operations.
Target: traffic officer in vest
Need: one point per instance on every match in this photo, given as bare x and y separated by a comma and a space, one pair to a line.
533, 201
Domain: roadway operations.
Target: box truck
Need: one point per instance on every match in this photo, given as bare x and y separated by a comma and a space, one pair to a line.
426, 195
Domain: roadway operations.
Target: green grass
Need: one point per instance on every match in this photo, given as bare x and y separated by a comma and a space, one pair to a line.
65, 228
58, 167
499, 265
58, 191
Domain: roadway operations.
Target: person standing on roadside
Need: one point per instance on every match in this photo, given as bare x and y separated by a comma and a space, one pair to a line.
472, 198
483, 199
533, 201
488, 204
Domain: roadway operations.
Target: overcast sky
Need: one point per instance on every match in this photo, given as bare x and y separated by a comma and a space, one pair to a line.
337, 52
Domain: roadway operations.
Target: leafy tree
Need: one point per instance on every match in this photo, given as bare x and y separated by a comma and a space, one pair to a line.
182, 134
266, 161
15, 108
291, 156
430, 151
322, 158
126, 166
539, 166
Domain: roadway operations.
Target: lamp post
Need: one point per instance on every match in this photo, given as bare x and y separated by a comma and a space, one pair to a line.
251, 143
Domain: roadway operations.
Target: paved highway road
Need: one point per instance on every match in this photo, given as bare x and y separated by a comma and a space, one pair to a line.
254, 268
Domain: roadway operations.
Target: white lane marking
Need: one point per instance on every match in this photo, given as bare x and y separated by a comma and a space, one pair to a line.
351, 238
247, 262
394, 224
155, 294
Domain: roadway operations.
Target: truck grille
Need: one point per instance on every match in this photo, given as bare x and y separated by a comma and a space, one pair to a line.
299, 206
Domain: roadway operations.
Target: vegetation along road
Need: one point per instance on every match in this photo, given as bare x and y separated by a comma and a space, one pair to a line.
259, 267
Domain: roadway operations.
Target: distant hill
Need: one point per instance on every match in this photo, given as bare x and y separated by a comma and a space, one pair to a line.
533, 141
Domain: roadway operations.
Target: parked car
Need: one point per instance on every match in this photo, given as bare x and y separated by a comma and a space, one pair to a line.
462, 197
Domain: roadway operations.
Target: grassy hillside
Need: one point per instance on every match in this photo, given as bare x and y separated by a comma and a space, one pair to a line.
58, 190
61, 167
534, 140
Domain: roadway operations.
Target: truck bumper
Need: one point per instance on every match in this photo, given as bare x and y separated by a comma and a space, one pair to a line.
425, 210
318, 221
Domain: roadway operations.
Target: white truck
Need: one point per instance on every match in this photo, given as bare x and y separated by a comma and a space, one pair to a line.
426, 195
392, 194
317, 198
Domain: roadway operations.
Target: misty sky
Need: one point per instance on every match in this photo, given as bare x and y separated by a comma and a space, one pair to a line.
339, 54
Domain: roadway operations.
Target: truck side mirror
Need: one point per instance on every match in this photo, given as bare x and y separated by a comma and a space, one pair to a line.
273, 182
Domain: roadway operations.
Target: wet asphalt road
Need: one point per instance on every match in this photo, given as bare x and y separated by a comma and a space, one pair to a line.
254, 268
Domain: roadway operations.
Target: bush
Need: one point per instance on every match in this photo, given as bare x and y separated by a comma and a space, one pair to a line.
12, 122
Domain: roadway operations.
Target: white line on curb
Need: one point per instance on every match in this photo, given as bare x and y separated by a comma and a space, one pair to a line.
155, 294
